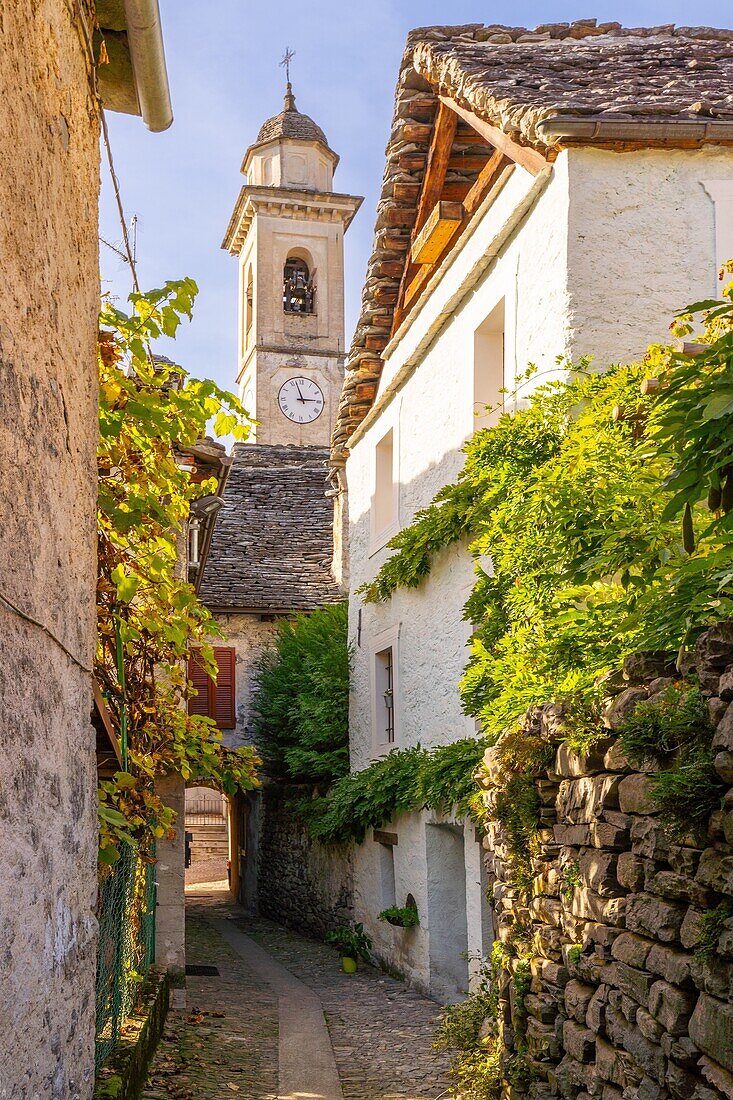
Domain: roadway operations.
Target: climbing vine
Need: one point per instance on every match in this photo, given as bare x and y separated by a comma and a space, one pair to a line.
147, 615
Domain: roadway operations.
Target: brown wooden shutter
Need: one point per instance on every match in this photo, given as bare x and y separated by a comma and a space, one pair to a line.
224, 691
199, 677
215, 699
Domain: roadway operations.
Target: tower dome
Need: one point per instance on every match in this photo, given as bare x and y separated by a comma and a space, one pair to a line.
290, 123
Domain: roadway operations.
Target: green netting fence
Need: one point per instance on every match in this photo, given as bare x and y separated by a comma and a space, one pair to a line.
126, 915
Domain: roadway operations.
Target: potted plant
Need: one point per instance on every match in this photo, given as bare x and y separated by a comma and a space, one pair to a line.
405, 916
352, 944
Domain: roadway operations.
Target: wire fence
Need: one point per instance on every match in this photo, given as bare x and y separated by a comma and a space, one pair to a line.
126, 915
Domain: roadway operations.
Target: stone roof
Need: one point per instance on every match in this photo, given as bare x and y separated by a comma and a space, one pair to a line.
290, 123
517, 79
273, 542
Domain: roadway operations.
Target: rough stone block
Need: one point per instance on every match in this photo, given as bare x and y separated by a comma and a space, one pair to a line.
649, 1090
616, 759
571, 765
615, 1065
648, 1026
716, 1076
713, 976
581, 801
542, 1006
681, 1050
669, 963
595, 1017
670, 884
601, 834
716, 870
691, 928
671, 1006
579, 1041
653, 917
648, 839
572, 836
634, 983
621, 706
714, 649
711, 1028
590, 906
634, 795
723, 764
598, 870
630, 870
679, 1081
601, 934
631, 949
577, 999
723, 738
646, 1054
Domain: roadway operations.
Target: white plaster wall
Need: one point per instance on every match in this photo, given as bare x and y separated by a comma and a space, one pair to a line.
607, 248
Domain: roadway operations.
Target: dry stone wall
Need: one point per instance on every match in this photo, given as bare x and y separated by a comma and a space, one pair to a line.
623, 1004
300, 882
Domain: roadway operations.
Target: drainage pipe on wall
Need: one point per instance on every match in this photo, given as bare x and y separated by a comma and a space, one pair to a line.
145, 38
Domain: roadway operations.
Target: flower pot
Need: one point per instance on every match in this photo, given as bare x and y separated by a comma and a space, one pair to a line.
348, 965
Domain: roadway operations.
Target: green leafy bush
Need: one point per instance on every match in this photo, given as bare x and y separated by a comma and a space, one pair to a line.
660, 726
713, 923
301, 720
688, 793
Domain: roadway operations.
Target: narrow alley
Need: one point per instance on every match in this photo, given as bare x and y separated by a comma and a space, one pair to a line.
280, 1021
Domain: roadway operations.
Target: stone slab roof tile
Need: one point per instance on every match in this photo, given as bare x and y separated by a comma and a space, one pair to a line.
272, 545
515, 78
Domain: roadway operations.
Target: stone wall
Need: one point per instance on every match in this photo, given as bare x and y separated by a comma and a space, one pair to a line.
300, 883
49, 300
621, 1004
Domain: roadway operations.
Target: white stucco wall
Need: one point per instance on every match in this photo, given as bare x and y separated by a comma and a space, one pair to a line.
609, 245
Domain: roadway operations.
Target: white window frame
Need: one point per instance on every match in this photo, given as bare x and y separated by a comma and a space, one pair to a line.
378, 538
481, 354
386, 639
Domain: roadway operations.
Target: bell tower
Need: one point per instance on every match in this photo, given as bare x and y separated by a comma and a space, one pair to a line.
287, 230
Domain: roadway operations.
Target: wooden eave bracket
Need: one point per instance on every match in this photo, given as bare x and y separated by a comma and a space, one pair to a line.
438, 231
106, 718
525, 156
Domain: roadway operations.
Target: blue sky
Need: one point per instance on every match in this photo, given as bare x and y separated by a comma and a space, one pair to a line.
225, 81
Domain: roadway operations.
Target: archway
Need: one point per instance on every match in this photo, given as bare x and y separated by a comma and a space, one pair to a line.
207, 836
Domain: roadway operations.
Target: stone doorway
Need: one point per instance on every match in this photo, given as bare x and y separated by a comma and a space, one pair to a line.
207, 836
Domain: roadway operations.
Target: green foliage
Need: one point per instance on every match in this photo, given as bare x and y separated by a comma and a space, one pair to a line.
575, 953
302, 704
713, 923
402, 781
660, 726
688, 793
147, 616
351, 942
517, 808
405, 916
588, 510
571, 879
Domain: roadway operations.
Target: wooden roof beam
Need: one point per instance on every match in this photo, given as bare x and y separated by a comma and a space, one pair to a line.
523, 155
446, 124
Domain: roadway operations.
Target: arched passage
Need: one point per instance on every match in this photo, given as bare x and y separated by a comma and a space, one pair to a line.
207, 836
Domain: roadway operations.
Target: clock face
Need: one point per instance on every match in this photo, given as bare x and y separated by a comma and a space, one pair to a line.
301, 400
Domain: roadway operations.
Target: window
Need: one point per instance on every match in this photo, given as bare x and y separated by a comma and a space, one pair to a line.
384, 500
384, 670
488, 368
385, 699
249, 308
299, 294
215, 698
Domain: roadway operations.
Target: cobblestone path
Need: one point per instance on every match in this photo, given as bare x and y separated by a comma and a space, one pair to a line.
227, 1042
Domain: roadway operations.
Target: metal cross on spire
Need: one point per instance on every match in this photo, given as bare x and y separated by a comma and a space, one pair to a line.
285, 63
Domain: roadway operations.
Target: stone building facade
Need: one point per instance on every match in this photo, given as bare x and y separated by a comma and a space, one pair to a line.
524, 215
49, 302
271, 552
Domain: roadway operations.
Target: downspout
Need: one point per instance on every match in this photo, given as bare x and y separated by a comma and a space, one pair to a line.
145, 38
566, 128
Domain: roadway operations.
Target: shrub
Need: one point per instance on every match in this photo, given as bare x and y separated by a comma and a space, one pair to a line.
301, 720
688, 793
660, 726
401, 916
713, 924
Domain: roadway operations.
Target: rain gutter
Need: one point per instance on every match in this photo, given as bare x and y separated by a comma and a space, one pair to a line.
562, 129
145, 38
